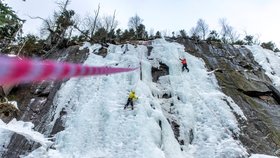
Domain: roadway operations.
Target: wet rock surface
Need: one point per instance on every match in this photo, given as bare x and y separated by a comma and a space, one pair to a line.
162, 70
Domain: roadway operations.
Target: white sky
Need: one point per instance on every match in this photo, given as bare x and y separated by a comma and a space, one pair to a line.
257, 17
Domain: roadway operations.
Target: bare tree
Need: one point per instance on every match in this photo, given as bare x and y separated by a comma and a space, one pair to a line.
94, 26
92, 22
72, 28
57, 26
95, 21
62, 4
48, 25
227, 32
106, 28
202, 28
110, 23
89, 24
194, 32
134, 22
114, 22
233, 36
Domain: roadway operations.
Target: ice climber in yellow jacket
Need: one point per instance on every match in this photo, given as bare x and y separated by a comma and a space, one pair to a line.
132, 97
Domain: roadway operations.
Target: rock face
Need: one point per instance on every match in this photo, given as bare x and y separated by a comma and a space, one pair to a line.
241, 78
35, 102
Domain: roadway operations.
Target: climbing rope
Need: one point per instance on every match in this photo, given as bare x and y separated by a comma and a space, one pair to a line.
14, 71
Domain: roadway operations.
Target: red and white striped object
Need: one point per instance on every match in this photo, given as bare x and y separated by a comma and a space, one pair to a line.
14, 70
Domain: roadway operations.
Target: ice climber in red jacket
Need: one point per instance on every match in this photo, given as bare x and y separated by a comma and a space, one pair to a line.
184, 64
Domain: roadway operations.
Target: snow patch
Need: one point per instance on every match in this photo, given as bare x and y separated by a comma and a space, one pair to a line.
25, 129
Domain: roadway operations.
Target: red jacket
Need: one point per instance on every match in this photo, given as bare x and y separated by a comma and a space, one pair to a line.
183, 61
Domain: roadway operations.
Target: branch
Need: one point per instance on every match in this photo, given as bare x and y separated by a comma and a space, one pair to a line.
67, 2
63, 5
113, 21
36, 17
21, 47
46, 21
95, 20
82, 32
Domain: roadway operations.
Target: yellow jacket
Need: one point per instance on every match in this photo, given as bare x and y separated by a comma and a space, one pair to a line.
132, 96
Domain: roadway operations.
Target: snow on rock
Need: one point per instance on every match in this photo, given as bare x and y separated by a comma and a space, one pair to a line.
5, 136
92, 48
270, 62
25, 129
14, 104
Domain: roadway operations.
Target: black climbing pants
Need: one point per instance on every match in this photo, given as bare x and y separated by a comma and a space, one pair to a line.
129, 101
185, 66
